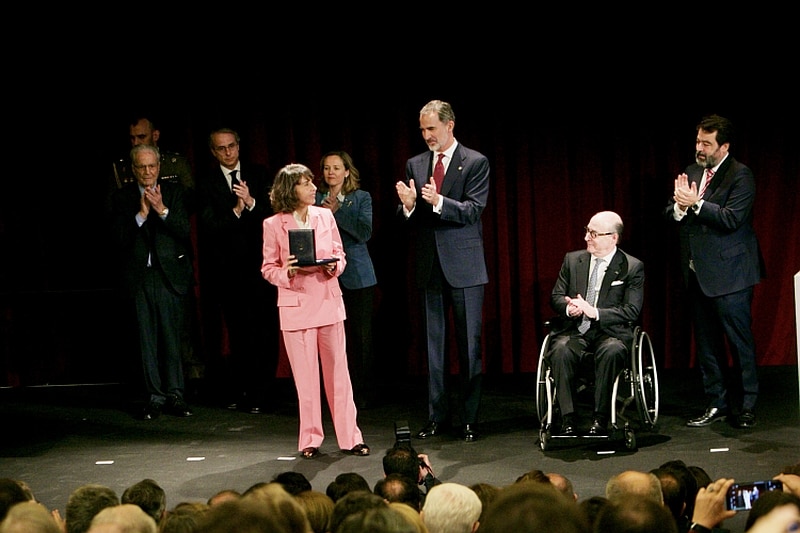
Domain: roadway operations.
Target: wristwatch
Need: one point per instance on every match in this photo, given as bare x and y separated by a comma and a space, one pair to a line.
165, 212
699, 528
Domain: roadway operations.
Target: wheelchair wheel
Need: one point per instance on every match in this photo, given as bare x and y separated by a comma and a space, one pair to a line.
544, 388
645, 378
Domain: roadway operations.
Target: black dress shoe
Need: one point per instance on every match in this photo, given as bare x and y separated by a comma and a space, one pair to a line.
151, 411
469, 433
255, 410
711, 415
598, 426
178, 408
310, 452
746, 419
361, 450
568, 426
430, 430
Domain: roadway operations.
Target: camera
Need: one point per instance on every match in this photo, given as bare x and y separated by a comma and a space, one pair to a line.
742, 496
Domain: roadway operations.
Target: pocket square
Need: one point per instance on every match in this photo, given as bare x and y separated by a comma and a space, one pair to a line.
617, 282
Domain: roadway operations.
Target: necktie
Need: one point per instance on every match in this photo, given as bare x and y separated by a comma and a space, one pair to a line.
709, 175
438, 173
591, 293
234, 181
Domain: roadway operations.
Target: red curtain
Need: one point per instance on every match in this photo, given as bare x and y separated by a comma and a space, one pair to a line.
553, 165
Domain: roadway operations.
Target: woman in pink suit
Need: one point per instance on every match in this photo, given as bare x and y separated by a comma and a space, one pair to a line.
311, 310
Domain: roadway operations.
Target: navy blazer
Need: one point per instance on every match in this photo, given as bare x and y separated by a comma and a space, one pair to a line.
620, 299
457, 234
170, 237
354, 219
720, 239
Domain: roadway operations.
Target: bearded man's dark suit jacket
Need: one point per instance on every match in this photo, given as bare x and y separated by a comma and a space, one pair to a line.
158, 291
230, 255
619, 304
721, 243
451, 269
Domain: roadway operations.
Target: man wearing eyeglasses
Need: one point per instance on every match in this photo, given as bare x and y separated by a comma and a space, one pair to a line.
233, 202
151, 229
598, 295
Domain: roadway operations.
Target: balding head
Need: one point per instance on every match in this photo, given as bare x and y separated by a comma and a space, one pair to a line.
634, 482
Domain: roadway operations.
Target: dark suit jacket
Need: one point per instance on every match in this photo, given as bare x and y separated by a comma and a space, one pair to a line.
621, 294
720, 239
170, 238
457, 234
229, 245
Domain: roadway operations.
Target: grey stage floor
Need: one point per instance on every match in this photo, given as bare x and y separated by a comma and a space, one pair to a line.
58, 438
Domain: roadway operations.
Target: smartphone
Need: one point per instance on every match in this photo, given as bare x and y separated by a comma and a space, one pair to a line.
742, 496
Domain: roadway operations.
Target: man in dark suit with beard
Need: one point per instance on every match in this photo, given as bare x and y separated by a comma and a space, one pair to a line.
442, 200
721, 263
234, 201
151, 229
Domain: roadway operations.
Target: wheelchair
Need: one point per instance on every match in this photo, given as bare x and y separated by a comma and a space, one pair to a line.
636, 384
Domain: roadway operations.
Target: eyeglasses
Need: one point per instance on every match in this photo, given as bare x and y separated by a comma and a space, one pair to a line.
593, 234
145, 167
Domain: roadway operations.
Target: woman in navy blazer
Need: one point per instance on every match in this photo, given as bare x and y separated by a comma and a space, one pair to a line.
352, 207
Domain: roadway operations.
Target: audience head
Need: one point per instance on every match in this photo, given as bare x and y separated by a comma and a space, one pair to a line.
184, 518
10, 493
250, 515
536, 476
402, 459
701, 477
451, 508
148, 495
318, 507
376, 520
411, 515
673, 491
275, 499
344, 483
486, 493
29, 517
591, 508
84, 503
123, 518
399, 488
688, 485
632, 482
223, 496
636, 513
293, 482
532, 508
769, 501
354, 502
563, 485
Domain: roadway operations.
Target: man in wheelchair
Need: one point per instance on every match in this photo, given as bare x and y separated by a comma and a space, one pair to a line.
598, 296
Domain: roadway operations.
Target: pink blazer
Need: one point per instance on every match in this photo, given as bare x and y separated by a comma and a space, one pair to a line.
312, 298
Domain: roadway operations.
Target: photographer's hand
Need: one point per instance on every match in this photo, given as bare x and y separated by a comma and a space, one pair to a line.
425, 467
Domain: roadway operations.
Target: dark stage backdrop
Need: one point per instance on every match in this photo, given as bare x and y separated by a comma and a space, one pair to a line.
556, 159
